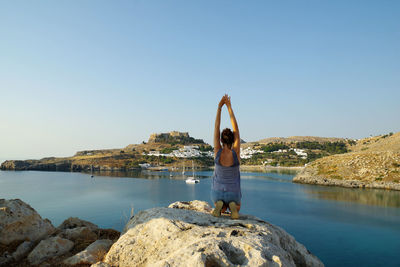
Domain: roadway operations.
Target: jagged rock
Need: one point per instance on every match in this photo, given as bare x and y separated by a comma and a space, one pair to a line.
49, 248
79, 233
100, 264
180, 237
23, 250
19, 222
74, 222
92, 254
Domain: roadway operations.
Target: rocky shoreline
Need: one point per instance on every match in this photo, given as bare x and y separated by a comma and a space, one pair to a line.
183, 234
308, 176
267, 168
64, 166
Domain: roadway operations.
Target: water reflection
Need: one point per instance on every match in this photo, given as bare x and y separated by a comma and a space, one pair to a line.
373, 197
152, 175
281, 171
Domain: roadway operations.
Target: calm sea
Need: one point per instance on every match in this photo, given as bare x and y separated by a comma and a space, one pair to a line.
343, 227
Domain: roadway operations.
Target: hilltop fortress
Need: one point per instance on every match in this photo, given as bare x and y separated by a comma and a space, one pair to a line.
159, 137
174, 137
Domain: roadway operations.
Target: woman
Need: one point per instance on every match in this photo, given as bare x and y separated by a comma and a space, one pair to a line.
225, 191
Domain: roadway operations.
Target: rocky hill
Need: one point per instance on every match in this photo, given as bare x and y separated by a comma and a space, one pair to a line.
372, 163
122, 159
296, 139
174, 137
184, 234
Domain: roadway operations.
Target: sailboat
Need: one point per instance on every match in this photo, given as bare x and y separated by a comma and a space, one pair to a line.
91, 171
192, 179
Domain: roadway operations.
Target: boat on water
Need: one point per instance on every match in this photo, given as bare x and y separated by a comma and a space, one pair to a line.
192, 179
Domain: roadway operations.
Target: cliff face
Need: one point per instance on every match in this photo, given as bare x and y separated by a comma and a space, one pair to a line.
374, 163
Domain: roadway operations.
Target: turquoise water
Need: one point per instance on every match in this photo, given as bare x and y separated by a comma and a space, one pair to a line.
343, 227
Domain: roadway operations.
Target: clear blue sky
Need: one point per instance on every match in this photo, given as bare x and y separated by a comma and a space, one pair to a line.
80, 75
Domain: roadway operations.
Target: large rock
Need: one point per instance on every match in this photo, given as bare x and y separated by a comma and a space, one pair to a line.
92, 254
79, 233
74, 222
180, 237
49, 248
23, 250
20, 222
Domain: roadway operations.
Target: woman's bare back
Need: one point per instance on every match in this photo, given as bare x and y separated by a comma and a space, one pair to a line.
226, 158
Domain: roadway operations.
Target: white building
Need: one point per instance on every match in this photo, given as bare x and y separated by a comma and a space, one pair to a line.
185, 152
248, 152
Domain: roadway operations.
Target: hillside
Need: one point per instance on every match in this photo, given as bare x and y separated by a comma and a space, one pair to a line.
295, 151
296, 139
121, 159
373, 162
163, 150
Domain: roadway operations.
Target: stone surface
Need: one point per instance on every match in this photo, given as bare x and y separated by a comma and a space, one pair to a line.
192, 205
100, 264
180, 237
5, 259
49, 248
23, 250
79, 233
74, 222
92, 254
20, 222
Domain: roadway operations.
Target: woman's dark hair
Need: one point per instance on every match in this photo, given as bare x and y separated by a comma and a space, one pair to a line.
227, 137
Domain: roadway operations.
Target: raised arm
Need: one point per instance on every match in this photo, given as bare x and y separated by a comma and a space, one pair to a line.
217, 143
235, 127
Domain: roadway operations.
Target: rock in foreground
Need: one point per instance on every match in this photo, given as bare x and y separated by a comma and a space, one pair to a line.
26, 239
20, 222
182, 236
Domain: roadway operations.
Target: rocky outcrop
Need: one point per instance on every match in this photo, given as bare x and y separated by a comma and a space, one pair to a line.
23, 250
49, 248
16, 164
27, 239
373, 163
79, 233
20, 222
186, 235
92, 254
367, 169
76, 223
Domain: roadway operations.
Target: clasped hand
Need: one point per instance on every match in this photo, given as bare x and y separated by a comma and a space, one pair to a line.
225, 100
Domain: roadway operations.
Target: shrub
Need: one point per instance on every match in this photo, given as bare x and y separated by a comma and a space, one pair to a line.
274, 147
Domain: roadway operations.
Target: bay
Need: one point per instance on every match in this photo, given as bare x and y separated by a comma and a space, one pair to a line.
342, 226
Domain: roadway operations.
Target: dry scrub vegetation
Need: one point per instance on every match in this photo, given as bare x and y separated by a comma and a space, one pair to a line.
372, 159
